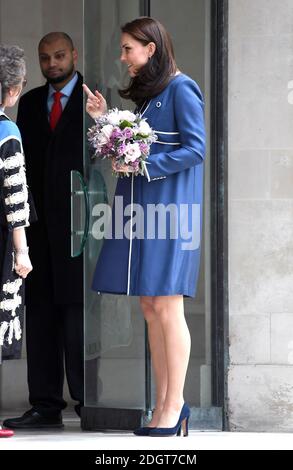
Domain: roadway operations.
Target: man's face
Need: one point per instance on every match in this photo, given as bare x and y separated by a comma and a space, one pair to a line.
57, 61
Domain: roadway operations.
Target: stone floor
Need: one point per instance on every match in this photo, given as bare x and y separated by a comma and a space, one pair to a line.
72, 437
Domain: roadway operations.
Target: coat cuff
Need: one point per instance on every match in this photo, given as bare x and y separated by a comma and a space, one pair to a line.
148, 175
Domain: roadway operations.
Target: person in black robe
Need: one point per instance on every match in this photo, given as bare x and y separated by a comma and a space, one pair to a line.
15, 214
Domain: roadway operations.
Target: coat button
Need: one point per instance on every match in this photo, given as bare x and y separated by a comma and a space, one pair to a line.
158, 104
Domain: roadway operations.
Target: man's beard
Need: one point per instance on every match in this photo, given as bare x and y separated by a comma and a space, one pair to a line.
61, 78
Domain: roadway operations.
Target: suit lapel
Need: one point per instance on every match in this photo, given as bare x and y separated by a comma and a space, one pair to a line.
44, 110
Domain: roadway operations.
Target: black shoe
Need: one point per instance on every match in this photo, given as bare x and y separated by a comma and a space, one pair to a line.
31, 419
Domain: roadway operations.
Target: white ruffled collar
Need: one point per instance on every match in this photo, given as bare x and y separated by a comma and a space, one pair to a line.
2, 113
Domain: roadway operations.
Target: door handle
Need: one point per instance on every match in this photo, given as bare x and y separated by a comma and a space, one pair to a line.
79, 189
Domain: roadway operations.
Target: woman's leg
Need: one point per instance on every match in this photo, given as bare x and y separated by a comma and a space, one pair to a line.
170, 312
157, 347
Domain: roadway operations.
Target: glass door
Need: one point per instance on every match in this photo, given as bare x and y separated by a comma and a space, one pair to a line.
119, 390
115, 360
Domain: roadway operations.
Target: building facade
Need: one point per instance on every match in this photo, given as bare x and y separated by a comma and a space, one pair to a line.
260, 376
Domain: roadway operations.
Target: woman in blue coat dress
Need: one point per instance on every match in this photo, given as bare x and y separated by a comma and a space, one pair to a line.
158, 256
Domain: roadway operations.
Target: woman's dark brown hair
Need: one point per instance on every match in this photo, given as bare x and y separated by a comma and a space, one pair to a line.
153, 77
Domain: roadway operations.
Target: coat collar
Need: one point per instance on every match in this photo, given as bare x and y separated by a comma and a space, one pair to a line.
155, 104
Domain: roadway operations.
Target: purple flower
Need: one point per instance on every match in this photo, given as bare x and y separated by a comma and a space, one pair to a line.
127, 133
144, 148
117, 133
135, 165
105, 150
121, 149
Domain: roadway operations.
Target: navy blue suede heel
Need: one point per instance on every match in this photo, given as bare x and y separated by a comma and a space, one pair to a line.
181, 426
144, 431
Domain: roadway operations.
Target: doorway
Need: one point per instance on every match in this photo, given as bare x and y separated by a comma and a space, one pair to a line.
119, 392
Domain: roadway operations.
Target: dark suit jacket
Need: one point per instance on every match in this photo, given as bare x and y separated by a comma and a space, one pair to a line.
50, 157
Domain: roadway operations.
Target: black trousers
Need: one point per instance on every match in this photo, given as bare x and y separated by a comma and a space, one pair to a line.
54, 337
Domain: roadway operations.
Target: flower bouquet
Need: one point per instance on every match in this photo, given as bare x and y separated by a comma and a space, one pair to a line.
125, 138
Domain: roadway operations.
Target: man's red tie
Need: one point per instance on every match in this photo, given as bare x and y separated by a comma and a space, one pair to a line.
56, 110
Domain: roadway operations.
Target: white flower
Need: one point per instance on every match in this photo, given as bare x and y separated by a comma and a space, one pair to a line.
144, 128
113, 117
127, 116
107, 131
132, 153
105, 134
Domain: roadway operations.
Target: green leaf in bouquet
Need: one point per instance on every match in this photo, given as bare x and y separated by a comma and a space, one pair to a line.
140, 136
125, 124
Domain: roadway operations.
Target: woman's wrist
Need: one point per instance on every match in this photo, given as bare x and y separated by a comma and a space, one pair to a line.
21, 251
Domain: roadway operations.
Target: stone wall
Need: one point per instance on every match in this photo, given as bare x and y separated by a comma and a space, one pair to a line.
261, 214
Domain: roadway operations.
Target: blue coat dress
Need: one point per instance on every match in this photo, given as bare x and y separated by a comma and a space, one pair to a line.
158, 253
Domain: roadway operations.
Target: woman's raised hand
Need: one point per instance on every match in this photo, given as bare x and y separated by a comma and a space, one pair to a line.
96, 105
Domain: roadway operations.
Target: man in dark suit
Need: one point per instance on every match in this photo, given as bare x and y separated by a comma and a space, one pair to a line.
50, 119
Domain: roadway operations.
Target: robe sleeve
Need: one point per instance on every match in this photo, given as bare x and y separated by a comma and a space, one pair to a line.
189, 114
15, 189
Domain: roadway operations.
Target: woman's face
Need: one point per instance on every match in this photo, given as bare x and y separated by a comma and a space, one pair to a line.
134, 54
